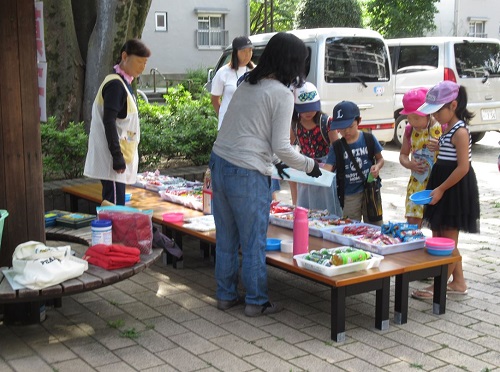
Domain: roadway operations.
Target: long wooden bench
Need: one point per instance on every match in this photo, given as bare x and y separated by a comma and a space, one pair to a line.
405, 267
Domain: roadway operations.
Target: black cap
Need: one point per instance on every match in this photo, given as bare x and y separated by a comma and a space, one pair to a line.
242, 42
344, 114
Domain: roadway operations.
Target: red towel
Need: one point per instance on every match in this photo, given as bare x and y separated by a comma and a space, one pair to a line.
114, 249
112, 257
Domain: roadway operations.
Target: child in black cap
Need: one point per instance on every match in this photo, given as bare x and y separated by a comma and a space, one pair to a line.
367, 153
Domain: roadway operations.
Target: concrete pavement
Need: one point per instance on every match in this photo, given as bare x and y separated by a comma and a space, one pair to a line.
166, 320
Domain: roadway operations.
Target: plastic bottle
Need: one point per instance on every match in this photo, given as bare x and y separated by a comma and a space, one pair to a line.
300, 231
207, 192
350, 257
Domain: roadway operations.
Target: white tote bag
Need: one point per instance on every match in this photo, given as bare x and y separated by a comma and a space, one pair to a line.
37, 266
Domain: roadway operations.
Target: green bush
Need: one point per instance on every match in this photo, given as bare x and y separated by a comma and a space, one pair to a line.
63, 151
184, 127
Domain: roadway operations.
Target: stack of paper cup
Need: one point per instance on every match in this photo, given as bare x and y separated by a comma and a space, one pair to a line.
287, 246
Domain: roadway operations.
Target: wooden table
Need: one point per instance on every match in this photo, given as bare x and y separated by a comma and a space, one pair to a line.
146, 199
406, 267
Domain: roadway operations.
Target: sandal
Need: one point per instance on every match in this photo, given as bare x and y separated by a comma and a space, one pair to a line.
423, 294
450, 290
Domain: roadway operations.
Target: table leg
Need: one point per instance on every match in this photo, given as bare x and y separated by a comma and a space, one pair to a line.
205, 249
177, 237
401, 299
73, 203
338, 314
440, 283
382, 305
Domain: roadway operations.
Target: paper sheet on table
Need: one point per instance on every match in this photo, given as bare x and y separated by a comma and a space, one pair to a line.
203, 223
324, 180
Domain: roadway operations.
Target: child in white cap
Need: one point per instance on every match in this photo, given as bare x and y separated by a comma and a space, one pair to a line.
455, 198
311, 132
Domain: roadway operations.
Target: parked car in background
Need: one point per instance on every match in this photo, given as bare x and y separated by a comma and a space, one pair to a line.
471, 62
344, 64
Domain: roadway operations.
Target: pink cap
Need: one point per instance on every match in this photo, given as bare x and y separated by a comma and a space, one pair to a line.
412, 100
439, 95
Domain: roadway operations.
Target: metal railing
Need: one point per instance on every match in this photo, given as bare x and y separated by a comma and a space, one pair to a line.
477, 34
155, 71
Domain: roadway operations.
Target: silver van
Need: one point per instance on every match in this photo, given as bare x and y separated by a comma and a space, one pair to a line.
471, 62
345, 64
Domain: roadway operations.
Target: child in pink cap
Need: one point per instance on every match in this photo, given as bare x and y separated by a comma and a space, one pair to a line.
420, 128
455, 197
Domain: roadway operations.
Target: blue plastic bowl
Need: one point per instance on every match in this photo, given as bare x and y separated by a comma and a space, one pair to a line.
421, 197
273, 244
439, 252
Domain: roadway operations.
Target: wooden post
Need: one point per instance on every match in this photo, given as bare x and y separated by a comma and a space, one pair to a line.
21, 178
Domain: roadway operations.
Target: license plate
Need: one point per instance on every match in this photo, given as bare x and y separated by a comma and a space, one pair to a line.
488, 114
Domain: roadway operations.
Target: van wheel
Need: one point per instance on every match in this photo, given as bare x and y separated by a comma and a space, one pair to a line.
399, 130
478, 136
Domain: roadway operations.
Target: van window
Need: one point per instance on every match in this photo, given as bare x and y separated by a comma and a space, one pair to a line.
414, 58
473, 59
355, 59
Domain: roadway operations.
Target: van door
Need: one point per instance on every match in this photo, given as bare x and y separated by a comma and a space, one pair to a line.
478, 70
357, 68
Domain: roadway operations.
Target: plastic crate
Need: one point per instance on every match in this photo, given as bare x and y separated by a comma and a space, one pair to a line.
3, 216
373, 262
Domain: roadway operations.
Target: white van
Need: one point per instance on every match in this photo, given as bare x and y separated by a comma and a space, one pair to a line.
471, 62
345, 64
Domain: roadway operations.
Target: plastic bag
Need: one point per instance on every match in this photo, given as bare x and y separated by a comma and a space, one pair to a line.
37, 266
131, 227
373, 200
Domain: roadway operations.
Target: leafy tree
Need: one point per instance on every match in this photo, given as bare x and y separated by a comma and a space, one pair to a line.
328, 13
401, 18
282, 15
83, 39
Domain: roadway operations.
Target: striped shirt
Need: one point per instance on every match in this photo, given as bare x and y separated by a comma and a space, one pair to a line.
447, 150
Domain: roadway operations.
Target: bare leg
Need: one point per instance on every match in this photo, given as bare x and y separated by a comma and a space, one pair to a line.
455, 269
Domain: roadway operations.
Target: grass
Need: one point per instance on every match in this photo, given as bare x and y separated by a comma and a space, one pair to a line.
130, 333
116, 323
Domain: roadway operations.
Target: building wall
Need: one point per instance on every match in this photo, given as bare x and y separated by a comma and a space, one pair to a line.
454, 16
175, 51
